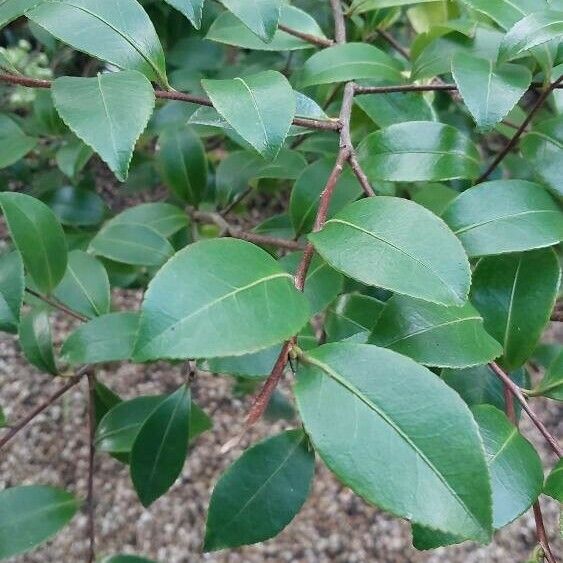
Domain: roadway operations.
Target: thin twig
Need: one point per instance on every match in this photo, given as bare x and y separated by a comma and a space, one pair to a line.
313, 39
541, 534
394, 43
90, 501
512, 142
236, 201
57, 305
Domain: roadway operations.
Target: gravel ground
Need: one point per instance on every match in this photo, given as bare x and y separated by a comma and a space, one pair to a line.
334, 524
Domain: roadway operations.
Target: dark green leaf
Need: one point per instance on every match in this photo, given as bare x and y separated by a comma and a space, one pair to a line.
14, 143
261, 492
416, 254
127, 558
76, 207
11, 291
554, 482
393, 455
36, 341
104, 400
192, 9
552, 384
73, 156
435, 197
261, 18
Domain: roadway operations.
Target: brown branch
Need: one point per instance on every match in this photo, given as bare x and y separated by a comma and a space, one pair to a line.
516, 391
339, 22
90, 501
313, 39
40, 408
394, 43
512, 142
236, 201
541, 534
321, 124
57, 305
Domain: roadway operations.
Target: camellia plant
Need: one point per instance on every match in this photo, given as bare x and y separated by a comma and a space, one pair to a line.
404, 160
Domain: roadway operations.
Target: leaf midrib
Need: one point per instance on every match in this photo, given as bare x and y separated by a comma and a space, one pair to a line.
462, 230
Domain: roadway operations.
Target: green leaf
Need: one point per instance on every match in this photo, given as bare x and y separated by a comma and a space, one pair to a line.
192, 9
554, 482
552, 383
181, 158
350, 61
38, 236
14, 143
127, 558
72, 157
435, 197
164, 218
76, 207
161, 447
505, 85
542, 148
131, 243
391, 454
433, 334
38, 510
306, 192
3, 420
107, 338
104, 400
120, 33
533, 30
415, 252
259, 107
260, 17
261, 492
256, 365
85, 285
515, 294
119, 107
322, 284
418, 151
362, 6
12, 285
228, 29
504, 216
13, 9
506, 12
516, 475
36, 342
225, 283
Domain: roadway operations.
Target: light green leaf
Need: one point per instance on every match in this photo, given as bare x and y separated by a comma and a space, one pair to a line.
119, 107
393, 455
85, 285
192, 9
489, 91
515, 294
362, 6
504, 216
552, 383
14, 143
533, 30
225, 283
418, 151
416, 254
506, 12
260, 17
38, 510
11, 291
350, 61
161, 446
36, 342
554, 482
228, 29
260, 492
164, 218
107, 338
433, 334
120, 33
38, 236
260, 108
181, 158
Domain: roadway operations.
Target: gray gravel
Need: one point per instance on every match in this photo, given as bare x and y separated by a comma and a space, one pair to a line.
334, 525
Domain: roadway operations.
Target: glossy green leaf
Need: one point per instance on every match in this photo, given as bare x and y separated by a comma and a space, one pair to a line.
435, 197
393, 455
38, 236
415, 252
76, 207
131, 243
535, 29
30, 515
85, 285
259, 107
164, 218
435, 335
418, 151
107, 338
543, 149
515, 294
12, 286
36, 341
506, 12
14, 143
225, 283
552, 383
119, 107
505, 216
554, 482
260, 17
192, 9
306, 192
228, 29
104, 400
504, 84
322, 284
13, 9
350, 61
120, 33
161, 446
261, 492
181, 158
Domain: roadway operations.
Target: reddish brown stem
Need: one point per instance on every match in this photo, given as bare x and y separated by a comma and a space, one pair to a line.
313, 39
509, 405
542, 535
